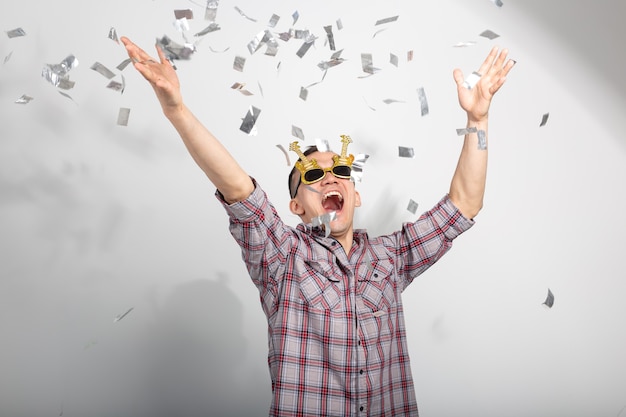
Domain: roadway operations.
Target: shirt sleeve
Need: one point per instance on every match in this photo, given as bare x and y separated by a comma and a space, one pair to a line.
262, 237
420, 244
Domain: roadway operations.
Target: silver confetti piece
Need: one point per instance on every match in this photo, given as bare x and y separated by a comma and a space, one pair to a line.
423, 102
297, 132
211, 28
301, 34
295, 17
378, 31
219, 52
285, 36
6, 58
122, 65
54, 73
482, 140
249, 121
240, 87
391, 100
544, 119
183, 14
271, 43
256, 43
386, 20
471, 80
405, 152
66, 84
310, 40
174, 50
115, 86
273, 21
244, 15
182, 25
489, 34
464, 44
113, 35
412, 207
304, 93
409, 56
331, 37
24, 99
122, 116
121, 316
260, 88
356, 175
393, 60
322, 145
282, 148
339, 24
367, 64
311, 189
15, 33
67, 96
101, 69
549, 299
497, 2
466, 131
239, 63
210, 12
324, 220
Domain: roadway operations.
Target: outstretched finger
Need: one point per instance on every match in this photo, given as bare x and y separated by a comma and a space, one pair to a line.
489, 61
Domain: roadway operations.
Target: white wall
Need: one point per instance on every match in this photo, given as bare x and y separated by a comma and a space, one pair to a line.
97, 218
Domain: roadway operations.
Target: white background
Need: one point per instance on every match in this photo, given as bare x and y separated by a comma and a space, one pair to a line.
97, 218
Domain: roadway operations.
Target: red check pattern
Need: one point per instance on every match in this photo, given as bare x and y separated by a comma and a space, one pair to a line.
336, 331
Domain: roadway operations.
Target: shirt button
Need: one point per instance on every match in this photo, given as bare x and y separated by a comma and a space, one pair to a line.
333, 243
361, 371
361, 408
375, 275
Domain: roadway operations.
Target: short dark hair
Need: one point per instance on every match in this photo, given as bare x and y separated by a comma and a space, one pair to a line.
295, 176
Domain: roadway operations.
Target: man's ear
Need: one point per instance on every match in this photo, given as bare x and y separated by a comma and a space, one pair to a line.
357, 199
295, 207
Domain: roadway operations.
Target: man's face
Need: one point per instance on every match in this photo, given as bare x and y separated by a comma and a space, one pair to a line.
327, 195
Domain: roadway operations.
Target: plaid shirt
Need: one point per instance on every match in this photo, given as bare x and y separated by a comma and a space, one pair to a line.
336, 331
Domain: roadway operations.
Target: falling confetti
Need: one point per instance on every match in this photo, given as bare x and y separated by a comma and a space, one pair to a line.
282, 148
240, 87
489, 34
386, 20
113, 35
210, 13
405, 152
544, 119
122, 65
239, 63
471, 80
304, 93
392, 100
393, 60
273, 21
122, 116
464, 44
423, 102
409, 56
55, 73
297, 132
101, 69
6, 58
482, 140
356, 175
24, 99
295, 17
183, 14
121, 316
497, 2
249, 121
15, 33
173, 50
330, 36
549, 299
466, 131
412, 207
367, 64
322, 145
308, 42
324, 221
244, 15
211, 28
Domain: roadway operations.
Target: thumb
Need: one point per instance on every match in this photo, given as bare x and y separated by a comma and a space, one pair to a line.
458, 77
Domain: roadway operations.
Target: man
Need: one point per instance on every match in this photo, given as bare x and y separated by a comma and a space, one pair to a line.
332, 294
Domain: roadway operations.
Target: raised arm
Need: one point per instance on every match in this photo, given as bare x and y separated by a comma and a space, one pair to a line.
468, 183
210, 155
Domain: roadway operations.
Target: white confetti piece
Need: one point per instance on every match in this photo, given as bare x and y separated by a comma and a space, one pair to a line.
210, 12
244, 15
295, 17
239, 63
24, 99
356, 175
273, 21
464, 44
282, 148
423, 102
324, 221
471, 80
122, 116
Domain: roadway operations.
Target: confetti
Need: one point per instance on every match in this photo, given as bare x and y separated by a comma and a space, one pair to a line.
66, 84
330, 36
219, 52
322, 145
334, 60
260, 88
182, 24
304, 93
295, 17
405, 152
544, 119
122, 116
249, 121
263, 38
6, 58
173, 50
113, 35
386, 20
211, 28
423, 102
324, 220
471, 80
356, 175
339, 24
210, 12
464, 44
55, 73
183, 14
393, 60
412, 207
391, 101
244, 15
116, 86
101, 69
497, 2
409, 56
282, 148
367, 64
309, 41
15, 33
482, 140
301, 34
466, 131
67, 96
122, 65
240, 88
489, 34
297, 132
273, 21
549, 299
121, 316
239, 63
24, 99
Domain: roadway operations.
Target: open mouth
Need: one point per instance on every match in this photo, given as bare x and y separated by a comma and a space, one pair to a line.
332, 201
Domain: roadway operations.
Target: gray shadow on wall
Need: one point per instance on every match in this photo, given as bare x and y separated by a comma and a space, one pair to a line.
197, 349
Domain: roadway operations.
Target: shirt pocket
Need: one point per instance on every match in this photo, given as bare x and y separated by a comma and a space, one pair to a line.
377, 286
320, 285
